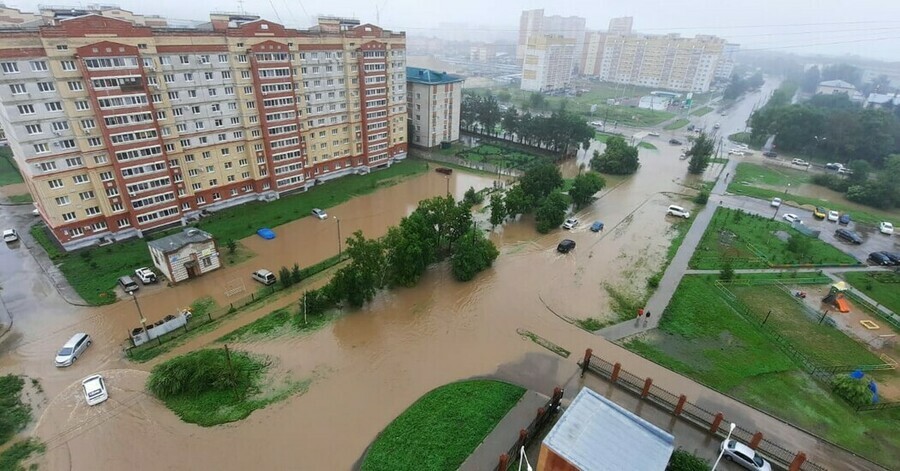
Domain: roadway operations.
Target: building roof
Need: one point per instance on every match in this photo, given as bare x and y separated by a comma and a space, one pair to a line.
837, 84
175, 242
595, 434
880, 98
430, 77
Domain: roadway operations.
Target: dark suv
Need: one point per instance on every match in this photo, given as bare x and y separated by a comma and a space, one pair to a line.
848, 235
565, 246
879, 258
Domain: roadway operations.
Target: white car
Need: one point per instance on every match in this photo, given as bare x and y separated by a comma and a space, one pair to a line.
737, 152
886, 228
800, 162
10, 235
94, 390
792, 218
570, 223
833, 216
744, 456
146, 275
776, 202
320, 213
678, 211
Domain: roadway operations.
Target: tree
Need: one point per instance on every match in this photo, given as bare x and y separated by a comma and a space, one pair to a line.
726, 273
551, 212
811, 79
232, 246
735, 88
360, 280
755, 81
296, 275
536, 101
682, 460
799, 245
473, 254
861, 170
855, 391
504, 96
472, 197
845, 72
700, 153
517, 202
498, 209
618, 158
284, 274
540, 180
584, 187
407, 252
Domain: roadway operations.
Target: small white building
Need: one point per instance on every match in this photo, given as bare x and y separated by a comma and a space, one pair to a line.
830, 87
185, 255
654, 102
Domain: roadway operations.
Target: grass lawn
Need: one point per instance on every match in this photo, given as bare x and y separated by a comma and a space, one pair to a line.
9, 174
704, 339
11, 459
701, 111
647, 145
21, 199
740, 137
442, 428
499, 156
884, 288
285, 321
677, 124
93, 272
753, 174
14, 414
732, 236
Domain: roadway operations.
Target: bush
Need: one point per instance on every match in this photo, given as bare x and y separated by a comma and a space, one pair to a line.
12, 458
284, 274
472, 197
830, 181
200, 372
702, 197
681, 460
727, 272
473, 254
854, 391
14, 414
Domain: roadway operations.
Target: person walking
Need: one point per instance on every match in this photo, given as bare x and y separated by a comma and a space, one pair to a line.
640, 313
647, 319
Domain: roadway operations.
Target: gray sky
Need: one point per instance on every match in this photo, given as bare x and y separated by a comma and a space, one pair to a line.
864, 27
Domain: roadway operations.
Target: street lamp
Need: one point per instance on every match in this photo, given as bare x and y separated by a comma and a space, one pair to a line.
447, 177
524, 459
140, 315
340, 244
724, 444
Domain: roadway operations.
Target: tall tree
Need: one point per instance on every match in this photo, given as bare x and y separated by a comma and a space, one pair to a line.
585, 187
811, 79
551, 212
845, 72
473, 253
618, 158
498, 209
540, 180
358, 282
700, 153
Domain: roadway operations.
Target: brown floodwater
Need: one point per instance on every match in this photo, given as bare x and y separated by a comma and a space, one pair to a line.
369, 365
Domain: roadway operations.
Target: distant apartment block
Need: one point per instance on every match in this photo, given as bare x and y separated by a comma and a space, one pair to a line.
119, 127
548, 63
433, 101
533, 22
725, 66
621, 25
51, 15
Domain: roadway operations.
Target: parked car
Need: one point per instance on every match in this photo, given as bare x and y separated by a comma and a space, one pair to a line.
678, 211
776, 202
654, 134
833, 166
737, 152
844, 219
128, 284
879, 258
73, 349
894, 256
10, 235
743, 455
886, 228
848, 235
570, 223
792, 218
717, 125
770, 154
263, 276
845, 171
565, 246
819, 213
320, 213
597, 226
146, 275
800, 162
675, 142
833, 216
94, 390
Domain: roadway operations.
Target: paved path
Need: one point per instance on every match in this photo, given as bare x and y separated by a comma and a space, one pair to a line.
487, 455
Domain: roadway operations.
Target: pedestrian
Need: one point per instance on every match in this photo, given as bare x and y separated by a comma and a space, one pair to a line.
640, 313
647, 319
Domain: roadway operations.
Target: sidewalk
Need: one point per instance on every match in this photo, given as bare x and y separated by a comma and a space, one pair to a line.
487, 455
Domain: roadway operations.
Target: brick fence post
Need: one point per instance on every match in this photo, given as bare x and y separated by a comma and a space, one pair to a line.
754, 442
615, 373
647, 383
798, 461
680, 407
523, 436
504, 462
586, 363
716, 421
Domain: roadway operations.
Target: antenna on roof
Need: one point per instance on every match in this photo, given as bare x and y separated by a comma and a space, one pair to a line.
241, 6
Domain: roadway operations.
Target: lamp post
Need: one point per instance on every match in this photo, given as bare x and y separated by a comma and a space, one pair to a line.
448, 184
524, 459
340, 244
140, 315
722, 451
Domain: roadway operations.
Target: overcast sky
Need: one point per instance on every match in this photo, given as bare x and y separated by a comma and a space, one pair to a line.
864, 27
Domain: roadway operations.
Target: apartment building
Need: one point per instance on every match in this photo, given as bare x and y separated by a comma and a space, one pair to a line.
433, 101
621, 25
120, 128
535, 23
51, 15
548, 63
725, 66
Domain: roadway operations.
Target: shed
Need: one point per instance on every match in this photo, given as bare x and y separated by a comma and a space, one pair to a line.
596, 434
184, 255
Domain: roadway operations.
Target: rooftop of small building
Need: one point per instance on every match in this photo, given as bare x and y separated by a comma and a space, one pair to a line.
190, 235
430, 77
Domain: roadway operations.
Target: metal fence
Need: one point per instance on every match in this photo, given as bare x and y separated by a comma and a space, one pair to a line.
544, 415
678, 405
873, 309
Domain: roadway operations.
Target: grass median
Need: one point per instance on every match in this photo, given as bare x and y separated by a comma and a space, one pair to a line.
677, 124
701, 111
9, 173
883, 287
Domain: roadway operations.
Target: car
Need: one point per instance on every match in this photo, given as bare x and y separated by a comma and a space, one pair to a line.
833, 216
848, 235
893, 256
146, 275
886, 228
94, 390
654, 134
678, 211
792, 218
737, 152
776, 202
675, 142
770, 154
320, 213
717, 126
741, 454
565, 246
819, 213
690, 127
845, 171
128, 284
597, 226
10, 235
844, 219
35, 212
72, 349
800, 162
263, 276
879, 258
833, 166
570, 223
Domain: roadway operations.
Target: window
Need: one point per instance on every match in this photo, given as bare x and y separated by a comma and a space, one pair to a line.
67, 65
215, 107
188, 77
106, 176
184, 59
211, 92
10, 67
79, 179
210, 169
38, 66
195, 187
69, 216
82, 105
62, 200
112, 191
33, 129
88, 124
226, 74
86, 195
18, 89
229, 90
208, 75
94, 210
223, 58
60, 126
42, 149
173, 95
195, 109
245, 74
95, 142
192, 93
55, 184
165, 60
74, 162
204, 59
226, 151
124, 222
178, 111
100, 226
25, 109
100, 159
46, 87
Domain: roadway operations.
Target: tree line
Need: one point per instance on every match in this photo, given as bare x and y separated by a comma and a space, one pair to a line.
740, 85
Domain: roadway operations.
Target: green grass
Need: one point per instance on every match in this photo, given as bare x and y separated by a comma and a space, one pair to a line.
701, 111
442, 428
9, 174
740, 137
14, 414
285, 321
646, 145
732, 236
753, 174
21, 199
499, 156
11, 459
884, 288
677, 124
93, 272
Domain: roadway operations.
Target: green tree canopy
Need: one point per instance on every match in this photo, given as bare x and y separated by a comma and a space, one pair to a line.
473, 253
540, 180
551, 212
584, 187
700, 153
618, 158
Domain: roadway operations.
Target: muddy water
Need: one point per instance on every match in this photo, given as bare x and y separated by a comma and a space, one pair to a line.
369, 365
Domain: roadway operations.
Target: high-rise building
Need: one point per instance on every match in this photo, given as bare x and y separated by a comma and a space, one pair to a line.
548, 63
726, 63
433, 101
621, 25
119, 128
533, 22
529, 23
592, 53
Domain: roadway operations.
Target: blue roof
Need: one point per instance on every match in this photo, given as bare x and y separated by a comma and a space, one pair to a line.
430, 77
593, 432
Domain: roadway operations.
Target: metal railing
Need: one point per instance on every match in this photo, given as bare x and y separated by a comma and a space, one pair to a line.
544, 415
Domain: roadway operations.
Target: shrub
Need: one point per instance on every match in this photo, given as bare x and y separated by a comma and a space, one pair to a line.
831, 181
681, 460
199, 372
854, 391
702, 197
472, 197
727, 272
284, 274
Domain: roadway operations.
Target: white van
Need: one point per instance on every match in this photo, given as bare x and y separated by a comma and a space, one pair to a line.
678, 211
263, 276
73, 349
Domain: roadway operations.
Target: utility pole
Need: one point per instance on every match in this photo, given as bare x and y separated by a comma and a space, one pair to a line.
141, 316
340, 243
304, 307
231, 372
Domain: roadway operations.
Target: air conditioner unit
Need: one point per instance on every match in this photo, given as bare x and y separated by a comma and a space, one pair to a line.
88, 131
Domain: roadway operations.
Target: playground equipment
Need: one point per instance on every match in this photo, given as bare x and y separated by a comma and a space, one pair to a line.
835, 297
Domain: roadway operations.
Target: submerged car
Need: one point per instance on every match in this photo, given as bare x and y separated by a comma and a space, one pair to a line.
565, 246
597, 226
886, 228
570, 223
94, 390
319, 213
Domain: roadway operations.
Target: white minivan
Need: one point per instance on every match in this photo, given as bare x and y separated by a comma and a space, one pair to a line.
263, 276
678, 211
73, 349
